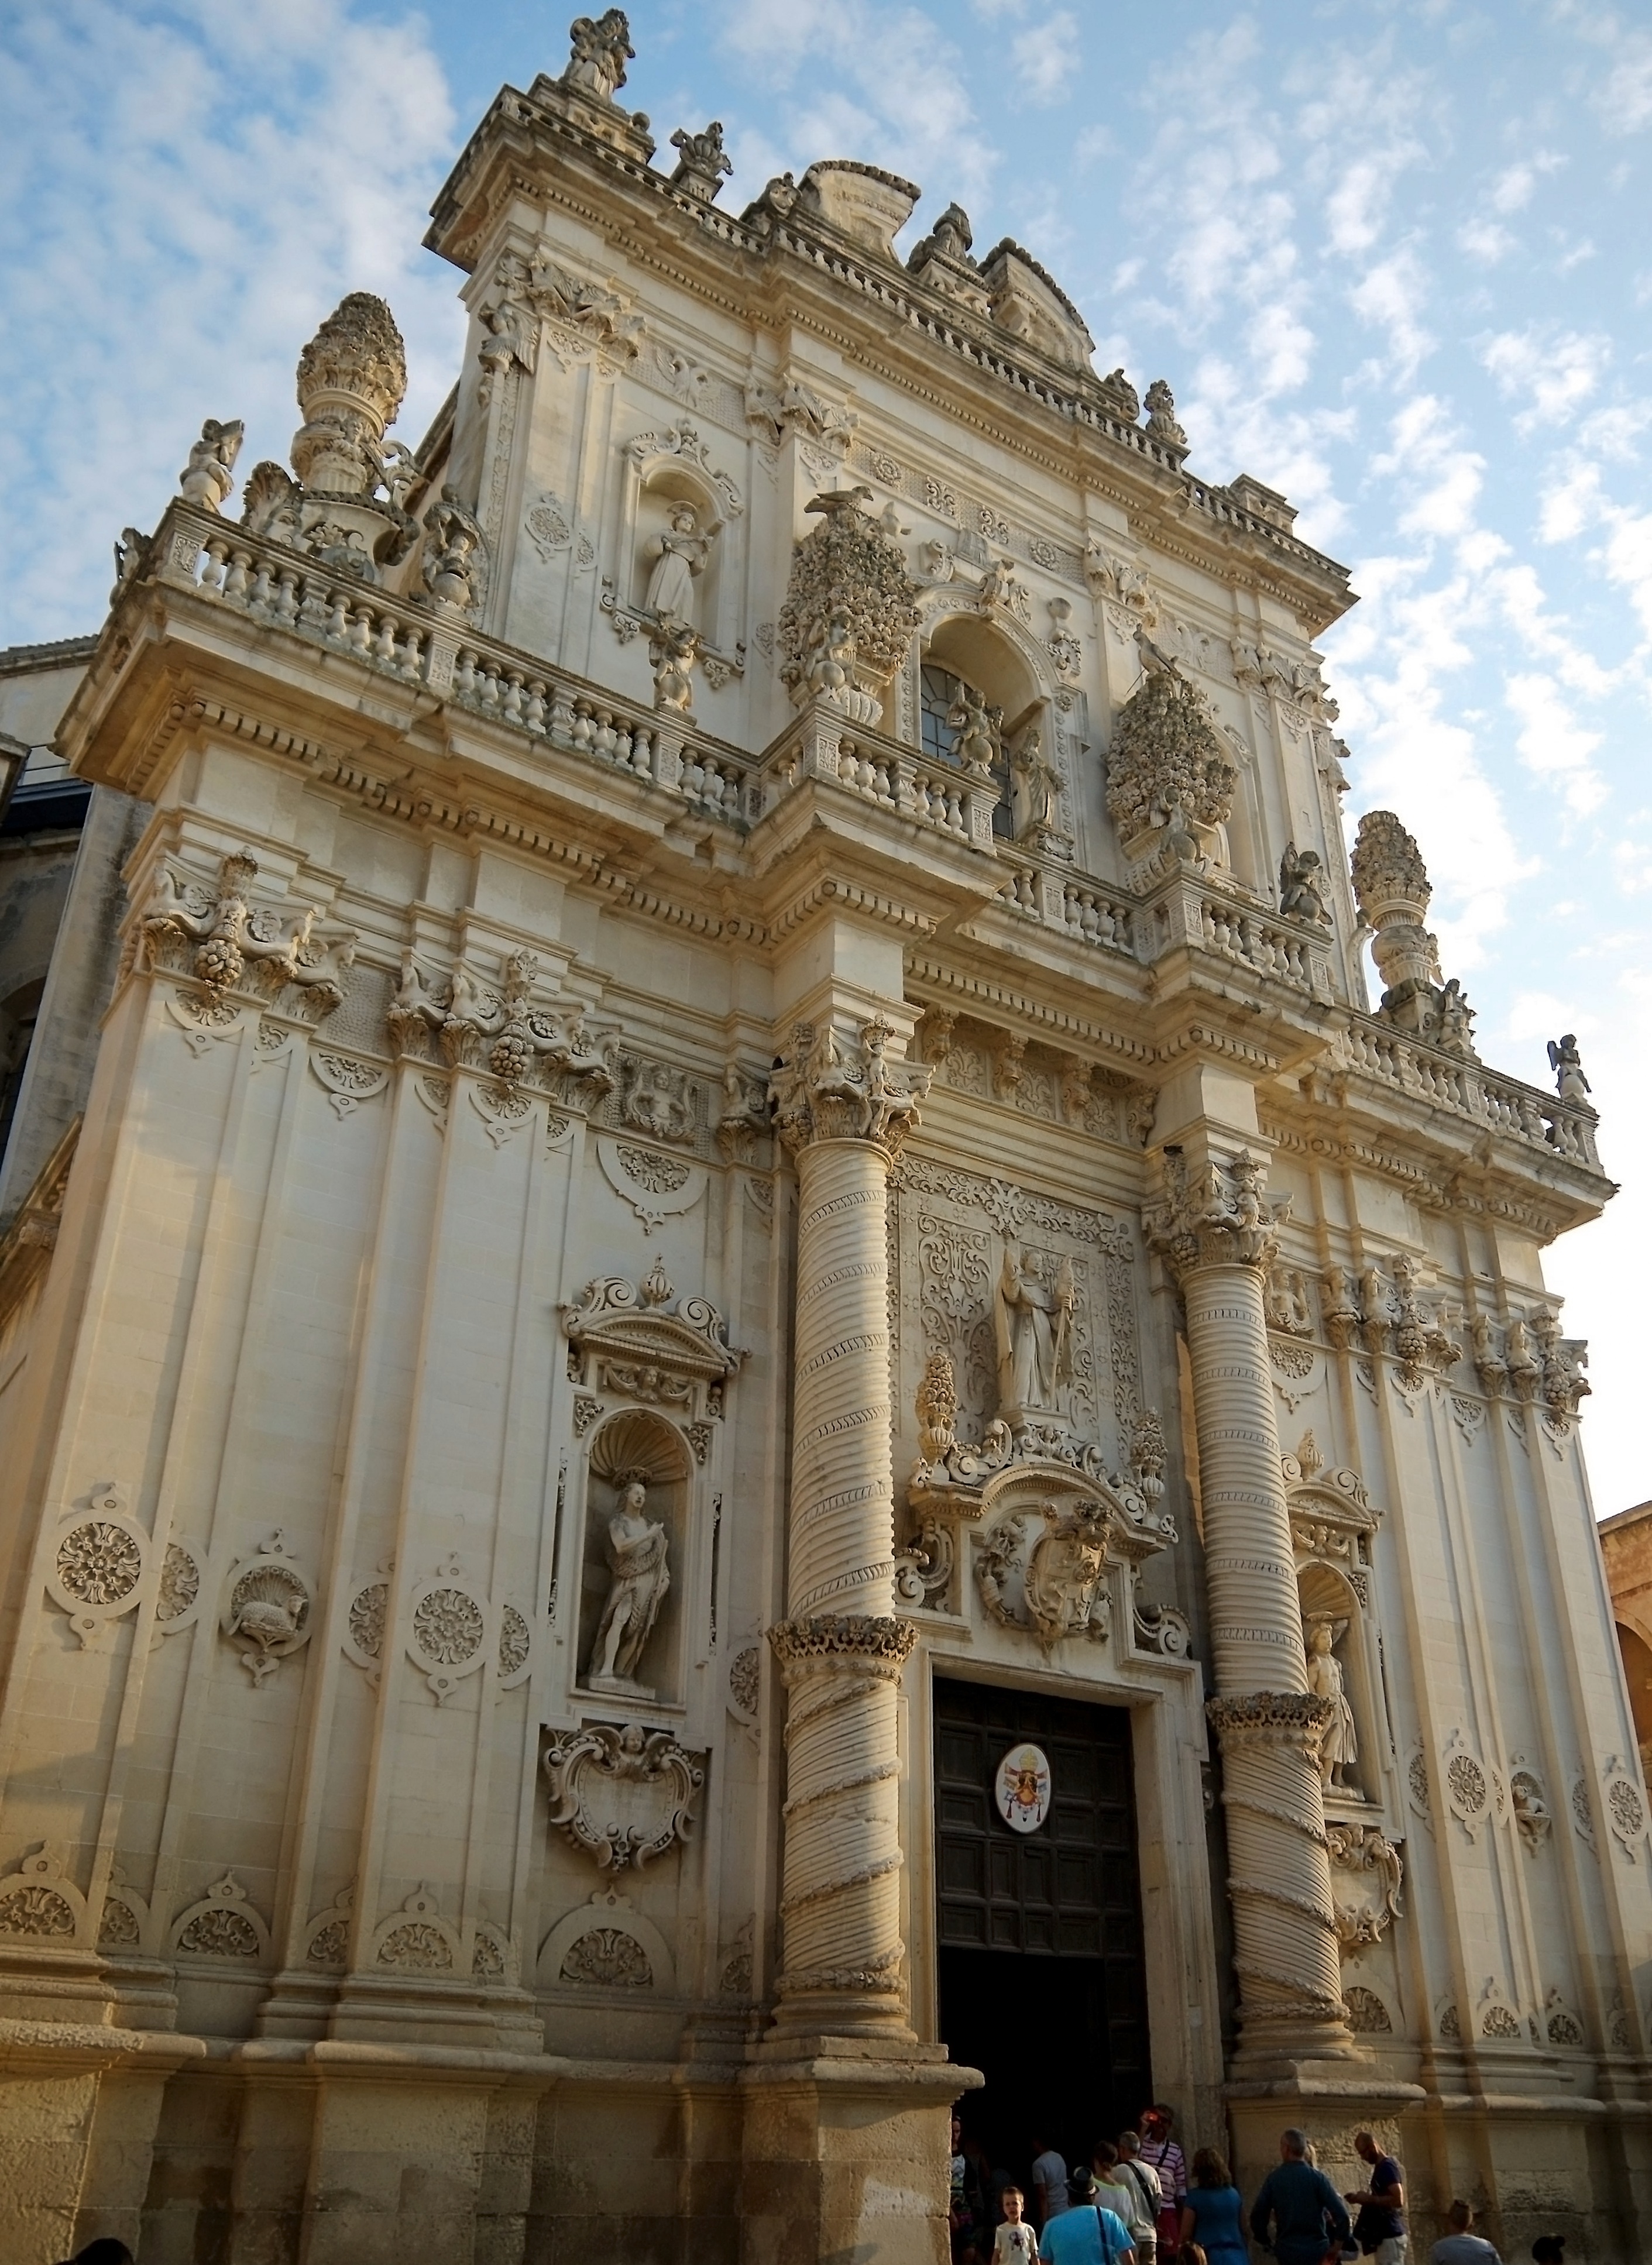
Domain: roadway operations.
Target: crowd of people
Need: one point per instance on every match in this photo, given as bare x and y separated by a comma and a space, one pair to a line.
1138, 2202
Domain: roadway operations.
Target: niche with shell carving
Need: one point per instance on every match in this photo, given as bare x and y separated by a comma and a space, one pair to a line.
634, 1564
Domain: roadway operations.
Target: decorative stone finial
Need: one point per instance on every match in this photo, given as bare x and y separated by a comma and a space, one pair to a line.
1389, 874
209, 475
602, 49
701, 161
350, 380
850, 612
1166, 762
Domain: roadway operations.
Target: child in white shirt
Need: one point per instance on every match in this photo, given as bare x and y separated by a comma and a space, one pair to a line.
1013, 2243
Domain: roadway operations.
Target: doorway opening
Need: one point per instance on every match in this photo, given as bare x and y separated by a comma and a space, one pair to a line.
1038, 1931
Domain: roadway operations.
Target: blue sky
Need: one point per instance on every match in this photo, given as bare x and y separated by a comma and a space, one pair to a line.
1395, 260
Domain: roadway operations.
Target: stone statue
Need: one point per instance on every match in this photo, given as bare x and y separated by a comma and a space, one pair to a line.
672, 650
1302, 886
1339, 1750
601, 52
1454, 1019
209, 475
978, 746
1162, 419
639, 1576
454, 553
678, 555
1038, 788
1569, 1081
511, 322
1033, 1320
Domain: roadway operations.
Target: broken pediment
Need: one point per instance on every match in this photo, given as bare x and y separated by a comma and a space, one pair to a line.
619, 1334
862, 202
1031, 305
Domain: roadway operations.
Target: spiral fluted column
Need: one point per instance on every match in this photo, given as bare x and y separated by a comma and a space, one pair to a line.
1219, 1234
840, 1650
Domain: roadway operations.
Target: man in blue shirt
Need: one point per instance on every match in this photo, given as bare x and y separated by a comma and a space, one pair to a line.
1379, 2229
1085, 2233
1299, 2212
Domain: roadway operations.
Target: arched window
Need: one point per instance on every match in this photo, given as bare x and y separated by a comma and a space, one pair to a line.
943, 697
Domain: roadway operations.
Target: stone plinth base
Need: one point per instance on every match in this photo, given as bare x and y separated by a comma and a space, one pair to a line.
845, 2153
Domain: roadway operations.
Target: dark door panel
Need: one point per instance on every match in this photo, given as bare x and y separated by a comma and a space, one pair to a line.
1039, 1934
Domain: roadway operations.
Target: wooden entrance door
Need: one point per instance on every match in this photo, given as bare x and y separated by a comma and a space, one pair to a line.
1039, 1934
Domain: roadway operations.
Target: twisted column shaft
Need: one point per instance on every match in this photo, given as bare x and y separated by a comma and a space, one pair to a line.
1219, 1238
842, 1651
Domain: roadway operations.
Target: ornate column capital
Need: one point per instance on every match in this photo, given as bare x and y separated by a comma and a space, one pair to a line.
821, 1094
873, 1643
1215, 1216
1273, 1720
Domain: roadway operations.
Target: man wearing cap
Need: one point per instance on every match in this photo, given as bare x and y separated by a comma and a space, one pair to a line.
1087, 2233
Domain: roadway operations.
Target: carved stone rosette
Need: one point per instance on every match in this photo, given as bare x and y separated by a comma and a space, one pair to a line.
840, 1651
1219, 1234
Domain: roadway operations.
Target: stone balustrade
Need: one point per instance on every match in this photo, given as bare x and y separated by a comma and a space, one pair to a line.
1273, 950
438, 650
1466, 1088
417, 646
881, 771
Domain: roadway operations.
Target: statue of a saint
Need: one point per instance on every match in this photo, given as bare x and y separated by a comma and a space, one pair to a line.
1037, 787
679, 554
639, 1575
1339, 1750
1034, 1324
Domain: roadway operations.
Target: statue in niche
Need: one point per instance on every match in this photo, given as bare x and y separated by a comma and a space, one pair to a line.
1339, 1750
679, 554
639, 1576
1033, 1319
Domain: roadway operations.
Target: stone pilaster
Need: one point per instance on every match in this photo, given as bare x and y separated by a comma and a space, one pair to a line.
1219, 1232
843, 1114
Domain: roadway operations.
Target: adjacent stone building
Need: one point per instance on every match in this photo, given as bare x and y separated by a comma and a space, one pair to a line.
755, 1393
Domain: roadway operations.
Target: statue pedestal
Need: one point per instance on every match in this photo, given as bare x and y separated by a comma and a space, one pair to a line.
618, 1686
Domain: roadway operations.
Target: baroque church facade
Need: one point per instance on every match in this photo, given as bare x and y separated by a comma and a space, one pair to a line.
755, 1394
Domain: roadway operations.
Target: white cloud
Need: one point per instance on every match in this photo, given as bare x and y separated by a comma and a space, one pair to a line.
859, 80
1553, 744
1485, 240
1045, 57
1390, 298
187, 196
1554, 374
